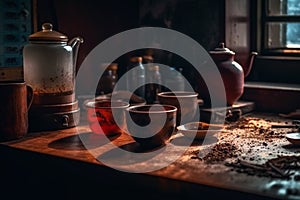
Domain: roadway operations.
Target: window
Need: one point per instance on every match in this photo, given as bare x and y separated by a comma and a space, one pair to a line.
280, 27
275, 35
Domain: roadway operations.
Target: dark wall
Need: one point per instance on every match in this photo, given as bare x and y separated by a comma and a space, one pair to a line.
202, 20
275, 70
95, 21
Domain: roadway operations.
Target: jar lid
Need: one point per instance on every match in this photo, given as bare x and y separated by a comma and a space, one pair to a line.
113, 66
222, 50
47, 34
147, 59
110, 66
136, 59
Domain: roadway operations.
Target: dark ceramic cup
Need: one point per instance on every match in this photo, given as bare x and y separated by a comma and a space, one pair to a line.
15, 101
187, 104
151, 125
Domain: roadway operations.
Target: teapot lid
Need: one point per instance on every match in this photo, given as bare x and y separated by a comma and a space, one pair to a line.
222, 50
47, 34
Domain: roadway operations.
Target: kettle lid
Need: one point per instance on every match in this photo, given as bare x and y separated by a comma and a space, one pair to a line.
47, 34
222, 50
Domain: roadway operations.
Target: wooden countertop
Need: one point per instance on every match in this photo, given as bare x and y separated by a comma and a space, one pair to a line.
59, 159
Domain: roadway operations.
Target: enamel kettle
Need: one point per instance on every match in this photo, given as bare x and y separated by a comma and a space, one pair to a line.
50, 66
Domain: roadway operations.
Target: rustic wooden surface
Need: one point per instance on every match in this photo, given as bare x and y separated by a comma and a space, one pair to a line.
255, 141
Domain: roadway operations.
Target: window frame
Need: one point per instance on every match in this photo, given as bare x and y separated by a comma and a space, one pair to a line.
263, 30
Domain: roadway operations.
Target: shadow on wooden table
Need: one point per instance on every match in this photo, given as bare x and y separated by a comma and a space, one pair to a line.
75, 142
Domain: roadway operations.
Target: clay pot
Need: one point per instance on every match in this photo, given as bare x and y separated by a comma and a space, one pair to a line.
232, 73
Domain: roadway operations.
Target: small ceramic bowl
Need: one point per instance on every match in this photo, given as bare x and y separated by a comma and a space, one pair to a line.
186, 102
106, 117
293, 138
199, 130
151, 125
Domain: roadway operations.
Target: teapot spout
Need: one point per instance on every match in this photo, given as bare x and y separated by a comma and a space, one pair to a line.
75, 43
248, 68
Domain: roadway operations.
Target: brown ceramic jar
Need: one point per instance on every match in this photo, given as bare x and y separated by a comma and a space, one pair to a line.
232, 73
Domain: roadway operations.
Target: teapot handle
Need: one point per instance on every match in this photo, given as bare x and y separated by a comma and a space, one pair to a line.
250, 63
75, 43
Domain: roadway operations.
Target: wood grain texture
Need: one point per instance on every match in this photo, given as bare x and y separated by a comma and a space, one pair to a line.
187, 177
